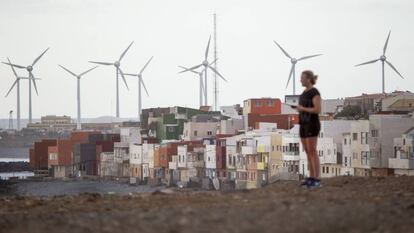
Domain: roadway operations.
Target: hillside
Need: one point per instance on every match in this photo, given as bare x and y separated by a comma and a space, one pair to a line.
344, 204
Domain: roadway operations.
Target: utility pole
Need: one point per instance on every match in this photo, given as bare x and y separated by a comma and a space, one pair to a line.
215, 64
11, 119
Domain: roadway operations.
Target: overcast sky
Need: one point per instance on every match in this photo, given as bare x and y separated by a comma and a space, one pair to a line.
175, 32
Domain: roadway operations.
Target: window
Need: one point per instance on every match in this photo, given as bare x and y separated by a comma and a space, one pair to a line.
354, 136
270, 103
374, 133
195, 132
258, 104
344, 141
209, 133
364, 157
364, 138
171, 129
354, 155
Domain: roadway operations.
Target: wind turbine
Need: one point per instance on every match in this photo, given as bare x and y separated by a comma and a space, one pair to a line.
78, 77
383, 60
200, 75
31, 78
206, 65
293, 68
140, 83
118, 70
17, 84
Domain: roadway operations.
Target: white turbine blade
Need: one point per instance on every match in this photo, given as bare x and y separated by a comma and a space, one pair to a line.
389, 63
368, 62
145, 88
14, 65
146, 64
126, 50
215, 60
88, 71
38, 58
33, 79
11, 88
386, 43
290, 75
192, 68
307, 57
280, 47
208, 48
123, 77
128, 74
102, 63
187, 69
67, 70
215, 71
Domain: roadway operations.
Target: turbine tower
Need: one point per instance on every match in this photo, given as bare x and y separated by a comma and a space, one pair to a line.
78, 77
201, 86
31, 78
17, 84
140, 83
118, 71
206, 65
293, 68
383, 60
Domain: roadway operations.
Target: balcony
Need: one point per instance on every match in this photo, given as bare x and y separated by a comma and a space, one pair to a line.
290, 156
172, 165
195, 164
261, 166
263, 148
249, 150
401, 163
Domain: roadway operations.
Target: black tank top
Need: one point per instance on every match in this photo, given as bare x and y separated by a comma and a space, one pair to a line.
305, 100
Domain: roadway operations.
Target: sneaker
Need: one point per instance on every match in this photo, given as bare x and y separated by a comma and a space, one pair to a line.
314, 184
307, 181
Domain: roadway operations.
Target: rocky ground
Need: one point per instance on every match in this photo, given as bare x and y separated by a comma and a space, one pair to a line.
345, 204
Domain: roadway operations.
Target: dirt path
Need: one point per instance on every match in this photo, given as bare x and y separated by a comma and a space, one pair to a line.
342, 205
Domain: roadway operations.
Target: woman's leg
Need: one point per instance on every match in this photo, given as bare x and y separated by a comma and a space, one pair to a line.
311, 142
305, 147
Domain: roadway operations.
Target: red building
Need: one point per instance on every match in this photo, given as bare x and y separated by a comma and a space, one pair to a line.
283, 121
262, 106
221, 154
39, 155
166, 151
64, 152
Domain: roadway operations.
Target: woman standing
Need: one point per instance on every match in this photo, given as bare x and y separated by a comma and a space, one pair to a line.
309, 108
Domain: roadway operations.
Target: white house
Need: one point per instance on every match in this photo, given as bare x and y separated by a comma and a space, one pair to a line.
199, 130
403, 160
210, 160
131, 135
347, 169
231, 126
